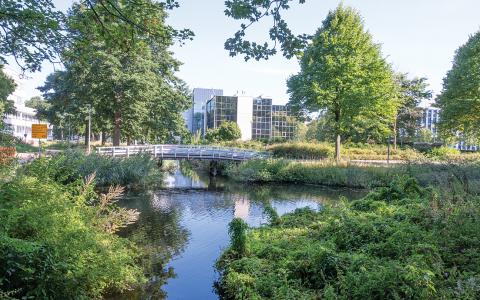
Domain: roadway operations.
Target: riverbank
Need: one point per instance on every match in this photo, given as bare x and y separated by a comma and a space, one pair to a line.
398, 242
328, 173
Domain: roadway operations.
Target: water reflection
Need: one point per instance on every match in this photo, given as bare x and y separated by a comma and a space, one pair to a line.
184, 227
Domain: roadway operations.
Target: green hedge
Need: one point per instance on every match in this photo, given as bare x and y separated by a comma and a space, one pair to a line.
302, 150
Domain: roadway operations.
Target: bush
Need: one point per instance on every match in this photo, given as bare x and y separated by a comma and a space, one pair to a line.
251, 144
57, 241
72, 165
443, 152
316, 151
227, 131
302, 150
399, 242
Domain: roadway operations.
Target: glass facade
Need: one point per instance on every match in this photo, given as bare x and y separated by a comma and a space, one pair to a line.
200, 98
262, 119
283, 123
221, 109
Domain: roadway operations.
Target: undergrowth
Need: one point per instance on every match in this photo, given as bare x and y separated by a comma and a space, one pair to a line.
401, 241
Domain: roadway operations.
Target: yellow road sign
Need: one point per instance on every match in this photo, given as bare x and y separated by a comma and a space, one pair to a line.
39, 131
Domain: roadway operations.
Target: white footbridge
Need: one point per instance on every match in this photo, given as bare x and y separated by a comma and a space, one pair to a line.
187, 152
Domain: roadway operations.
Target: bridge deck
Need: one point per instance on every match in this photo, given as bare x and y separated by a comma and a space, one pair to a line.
179, 152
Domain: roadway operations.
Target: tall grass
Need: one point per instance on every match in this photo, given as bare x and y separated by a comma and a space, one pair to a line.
444, 175
71, 165
320, 173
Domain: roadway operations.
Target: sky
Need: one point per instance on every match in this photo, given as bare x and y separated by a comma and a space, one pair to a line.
417, 36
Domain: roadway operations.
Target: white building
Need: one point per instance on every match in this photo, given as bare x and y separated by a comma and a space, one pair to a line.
430, 119
20, 123
431, 116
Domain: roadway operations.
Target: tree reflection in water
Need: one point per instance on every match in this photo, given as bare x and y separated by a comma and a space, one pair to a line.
159, 233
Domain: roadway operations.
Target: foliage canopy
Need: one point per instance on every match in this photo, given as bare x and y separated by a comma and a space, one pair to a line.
344, 75
460, 97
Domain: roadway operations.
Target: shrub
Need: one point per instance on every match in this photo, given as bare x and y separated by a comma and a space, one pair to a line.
447, 177
320, 173
57, 241
237, 229
227, 131
302, 150
443, 152
399, 242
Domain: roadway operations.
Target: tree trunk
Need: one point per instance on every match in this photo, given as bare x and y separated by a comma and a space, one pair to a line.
116, 129
61, 134
395, 134
338, 138
86, 133
104, 138
337, 148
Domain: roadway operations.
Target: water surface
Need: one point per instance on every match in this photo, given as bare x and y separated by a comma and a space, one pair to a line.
184, 225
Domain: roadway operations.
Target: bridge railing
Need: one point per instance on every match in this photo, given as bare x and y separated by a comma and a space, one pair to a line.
184, 152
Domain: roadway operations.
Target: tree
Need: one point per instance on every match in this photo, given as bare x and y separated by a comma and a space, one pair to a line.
37, 102
30, 32
7, 86
227, 131
253, 11
33, 31
126, 74
343, 73
411, 93
460, 97
424, 136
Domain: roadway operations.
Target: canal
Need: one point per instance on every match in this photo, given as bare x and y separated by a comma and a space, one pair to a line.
183, 225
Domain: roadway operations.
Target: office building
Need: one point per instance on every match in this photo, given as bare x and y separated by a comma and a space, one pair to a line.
430, 119
195, 116
283, 123
257, 118
262, 119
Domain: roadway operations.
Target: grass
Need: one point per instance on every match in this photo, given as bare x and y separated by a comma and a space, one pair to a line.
355, 176
350, 151
138, 170
399, 242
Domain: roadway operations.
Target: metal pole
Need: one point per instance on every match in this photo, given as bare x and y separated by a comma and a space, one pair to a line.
89, 128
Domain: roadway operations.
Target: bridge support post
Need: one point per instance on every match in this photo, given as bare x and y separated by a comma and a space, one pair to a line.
160, 163
213, 168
